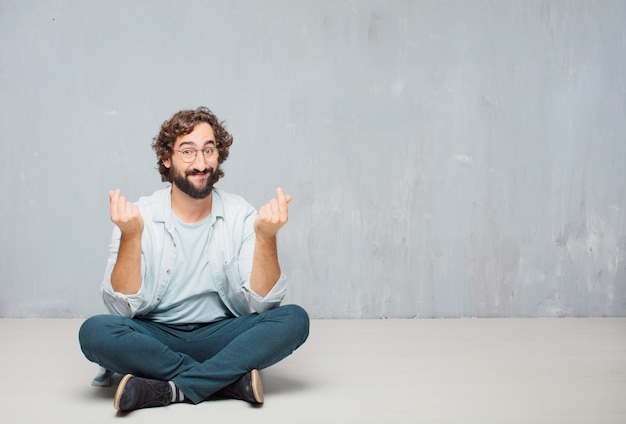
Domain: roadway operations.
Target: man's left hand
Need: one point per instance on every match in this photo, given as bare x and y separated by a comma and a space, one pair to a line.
272, 216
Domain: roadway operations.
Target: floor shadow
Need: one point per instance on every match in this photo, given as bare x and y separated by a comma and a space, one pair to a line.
106, 392
274, 383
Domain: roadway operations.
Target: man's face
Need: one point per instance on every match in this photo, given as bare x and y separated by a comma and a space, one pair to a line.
194, 176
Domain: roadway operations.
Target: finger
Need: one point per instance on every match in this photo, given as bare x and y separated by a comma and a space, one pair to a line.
121, 207
262, 212
282, 203
274, 207
134, 215
114, 196
284, 211
280, 194
129, 210
136, 211
124, 209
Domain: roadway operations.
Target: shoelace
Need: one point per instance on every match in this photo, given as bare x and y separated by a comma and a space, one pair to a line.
162, 394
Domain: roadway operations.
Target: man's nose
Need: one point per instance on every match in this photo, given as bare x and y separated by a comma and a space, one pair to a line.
199, 162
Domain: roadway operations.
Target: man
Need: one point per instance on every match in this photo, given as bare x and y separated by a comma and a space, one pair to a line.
192, 284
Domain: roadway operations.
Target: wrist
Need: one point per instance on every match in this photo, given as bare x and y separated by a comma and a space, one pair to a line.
266, 238
130, 236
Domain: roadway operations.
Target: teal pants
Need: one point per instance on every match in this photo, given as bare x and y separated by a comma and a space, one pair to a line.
199, 358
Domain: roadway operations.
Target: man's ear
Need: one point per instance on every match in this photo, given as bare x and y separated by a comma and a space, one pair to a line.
166, 161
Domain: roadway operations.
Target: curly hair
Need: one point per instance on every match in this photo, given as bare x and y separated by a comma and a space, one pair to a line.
183, 123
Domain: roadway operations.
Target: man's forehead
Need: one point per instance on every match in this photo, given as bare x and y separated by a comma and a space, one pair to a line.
201, 135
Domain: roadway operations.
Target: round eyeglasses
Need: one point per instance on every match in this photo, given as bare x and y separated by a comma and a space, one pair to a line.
189, 154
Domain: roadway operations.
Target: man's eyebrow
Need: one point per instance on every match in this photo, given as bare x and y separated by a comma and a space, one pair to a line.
192, 144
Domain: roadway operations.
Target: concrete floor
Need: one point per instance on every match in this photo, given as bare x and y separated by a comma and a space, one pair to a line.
358, 371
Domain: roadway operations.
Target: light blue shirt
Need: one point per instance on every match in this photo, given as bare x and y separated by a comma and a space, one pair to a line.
196, 299
228, 259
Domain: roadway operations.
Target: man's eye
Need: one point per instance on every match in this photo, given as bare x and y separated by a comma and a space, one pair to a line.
187, 152
209, 151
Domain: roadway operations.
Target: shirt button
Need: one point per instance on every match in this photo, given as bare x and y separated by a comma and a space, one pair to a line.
169, 271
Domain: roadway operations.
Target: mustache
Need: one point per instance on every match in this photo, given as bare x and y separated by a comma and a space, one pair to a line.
195, 171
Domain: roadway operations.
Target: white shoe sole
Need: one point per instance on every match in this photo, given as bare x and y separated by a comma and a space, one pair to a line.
257, 387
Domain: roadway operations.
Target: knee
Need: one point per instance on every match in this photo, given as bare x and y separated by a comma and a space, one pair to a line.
87, 334
299, 321
93, 332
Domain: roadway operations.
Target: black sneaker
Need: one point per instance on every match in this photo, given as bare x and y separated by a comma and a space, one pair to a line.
248, 388
135, 393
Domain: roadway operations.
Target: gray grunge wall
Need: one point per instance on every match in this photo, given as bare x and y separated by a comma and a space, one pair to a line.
446, 158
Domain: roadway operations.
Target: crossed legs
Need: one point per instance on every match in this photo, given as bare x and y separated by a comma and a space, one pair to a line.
199, 359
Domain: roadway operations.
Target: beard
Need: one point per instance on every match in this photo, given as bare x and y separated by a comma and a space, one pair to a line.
187, 186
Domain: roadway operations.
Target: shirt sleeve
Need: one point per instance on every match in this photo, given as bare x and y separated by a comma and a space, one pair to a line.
270, 300
125, 305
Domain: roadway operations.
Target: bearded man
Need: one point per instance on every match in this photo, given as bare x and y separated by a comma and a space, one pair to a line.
192, 284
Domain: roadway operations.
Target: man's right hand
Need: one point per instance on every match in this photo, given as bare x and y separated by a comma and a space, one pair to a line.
125, 215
